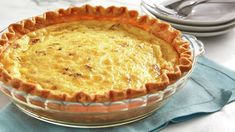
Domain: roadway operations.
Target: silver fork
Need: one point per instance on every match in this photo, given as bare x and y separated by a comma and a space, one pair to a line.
186, 7
175, 4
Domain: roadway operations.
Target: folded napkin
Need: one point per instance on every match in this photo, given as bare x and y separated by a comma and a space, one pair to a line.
209, 88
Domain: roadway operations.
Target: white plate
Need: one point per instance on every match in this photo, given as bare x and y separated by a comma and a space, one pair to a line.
197, 33
204, 14
208, 34
202, 28
191, 28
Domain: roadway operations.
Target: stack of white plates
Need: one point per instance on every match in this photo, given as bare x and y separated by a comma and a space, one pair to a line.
204, 21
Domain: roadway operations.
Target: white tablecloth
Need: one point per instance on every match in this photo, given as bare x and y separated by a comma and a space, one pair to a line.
220, 49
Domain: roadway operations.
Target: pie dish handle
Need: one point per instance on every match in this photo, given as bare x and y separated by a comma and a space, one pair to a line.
195, 44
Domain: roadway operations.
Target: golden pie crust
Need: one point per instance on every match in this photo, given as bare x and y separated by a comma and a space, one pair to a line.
112, 14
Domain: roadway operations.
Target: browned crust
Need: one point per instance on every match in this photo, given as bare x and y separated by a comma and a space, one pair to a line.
117, 14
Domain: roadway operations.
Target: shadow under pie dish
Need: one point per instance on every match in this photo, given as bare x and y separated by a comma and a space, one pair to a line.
90, 55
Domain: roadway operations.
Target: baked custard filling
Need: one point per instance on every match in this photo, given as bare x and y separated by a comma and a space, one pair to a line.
90, 56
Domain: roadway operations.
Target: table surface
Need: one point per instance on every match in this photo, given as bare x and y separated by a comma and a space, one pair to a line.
220, 49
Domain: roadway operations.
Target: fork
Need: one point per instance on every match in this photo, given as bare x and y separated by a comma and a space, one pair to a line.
186, 7
183, 9
175, 4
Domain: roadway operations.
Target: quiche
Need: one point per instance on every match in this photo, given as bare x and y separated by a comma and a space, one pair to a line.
92, 54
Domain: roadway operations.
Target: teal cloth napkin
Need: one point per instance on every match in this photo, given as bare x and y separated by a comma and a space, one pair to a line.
209, 88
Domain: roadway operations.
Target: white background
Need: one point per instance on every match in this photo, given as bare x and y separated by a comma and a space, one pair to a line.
221, 49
